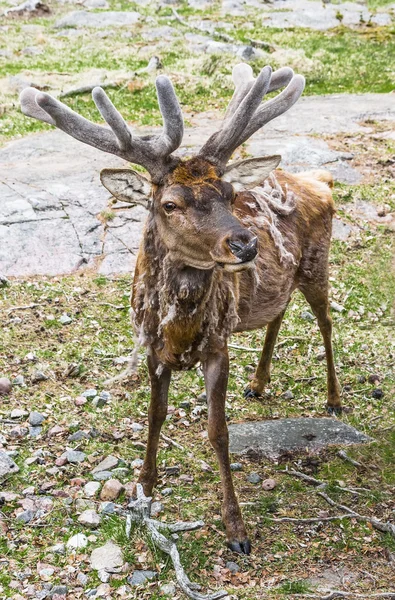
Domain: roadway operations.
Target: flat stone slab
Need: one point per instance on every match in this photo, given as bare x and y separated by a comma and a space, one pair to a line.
273, 439
53, 206
83, 18
319, 15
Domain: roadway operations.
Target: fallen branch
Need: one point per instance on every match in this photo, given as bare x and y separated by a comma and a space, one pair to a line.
385, 527
339, 594
170, 441
324, 484
310, 520
245, 348
116, 306
14, 308
343, 454
139, 512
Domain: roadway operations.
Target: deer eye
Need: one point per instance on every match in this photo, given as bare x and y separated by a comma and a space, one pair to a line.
169, 207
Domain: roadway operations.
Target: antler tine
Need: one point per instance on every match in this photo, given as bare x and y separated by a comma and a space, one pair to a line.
113, 118
219, 147
277, 106
173, 122
152, 152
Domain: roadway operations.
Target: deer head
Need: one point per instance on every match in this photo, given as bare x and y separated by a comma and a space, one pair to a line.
190, 200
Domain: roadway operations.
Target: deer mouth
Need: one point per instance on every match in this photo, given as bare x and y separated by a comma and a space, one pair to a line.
240, 266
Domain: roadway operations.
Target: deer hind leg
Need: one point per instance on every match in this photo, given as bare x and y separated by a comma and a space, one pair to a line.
262, 374
160, 381
216, 370
317, 297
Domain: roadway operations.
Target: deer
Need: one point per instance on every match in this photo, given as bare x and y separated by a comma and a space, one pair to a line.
224, 247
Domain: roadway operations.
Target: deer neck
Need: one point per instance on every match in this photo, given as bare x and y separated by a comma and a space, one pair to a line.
180, 311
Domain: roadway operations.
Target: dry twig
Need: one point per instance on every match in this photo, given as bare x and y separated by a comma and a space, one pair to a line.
170, 441
343, 454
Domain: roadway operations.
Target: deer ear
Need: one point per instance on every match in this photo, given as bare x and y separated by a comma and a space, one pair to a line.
246, 174
127, 185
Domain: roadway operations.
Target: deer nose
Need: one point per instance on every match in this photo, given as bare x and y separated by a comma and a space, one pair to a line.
245, 252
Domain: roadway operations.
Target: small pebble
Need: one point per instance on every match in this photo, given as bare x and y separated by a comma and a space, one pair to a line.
77, 542
75, 456
102, 476
269, 484
36, 418
307, 316
90, 518
232, 566
5, 386
236, 466
253, 478
140, 577
168, 589
91, 488
19, 380
65, 319
91, 393
111, 490
18, 413
167, 491
26, 516
287, 395
377, 393
137, 463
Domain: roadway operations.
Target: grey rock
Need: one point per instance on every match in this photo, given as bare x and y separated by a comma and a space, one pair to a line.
136, 427
107, 508
287, 395
75, 456
102, 475
3, 279
95, 3
82, 578
108, 557
7, 465
341, 231
38, 376
167, 491
91, 488
98, 20
272, 439
137, 463
91, 393
168, 589
108, 463
89, 518
141, 577
78, 436
233, 567
65, 319
19, 380
18, 413
254, 478
103, 575
26, 516
60, 590
58, 548
35, 431
185, 404
36, 418
82, 504
319, 16
236, 466
307, 316
77, 542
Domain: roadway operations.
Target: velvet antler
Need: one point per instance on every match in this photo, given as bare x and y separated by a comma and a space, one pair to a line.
152, 152
245, 114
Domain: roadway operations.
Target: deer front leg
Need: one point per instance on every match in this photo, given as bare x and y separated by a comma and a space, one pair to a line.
216, 370
160, 381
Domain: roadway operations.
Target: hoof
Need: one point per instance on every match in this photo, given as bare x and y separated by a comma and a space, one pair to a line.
334, 410
251, 395
243, 547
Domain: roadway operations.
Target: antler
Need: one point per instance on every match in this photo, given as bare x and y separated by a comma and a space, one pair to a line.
152, 152
244, 115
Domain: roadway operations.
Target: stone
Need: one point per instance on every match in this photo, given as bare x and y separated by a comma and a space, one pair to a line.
18, 413
78, 436
287, 395
273, 439
91, 393
90, 518
167, 491
26, 516
38, 376
59, 548
83, 18
102, 475
269, 484
107, 508
19, 380
236, 466
141, 577
232, 566
168, 589
107, 464
7, 465
59, 590
108, 557
36, 418
341, 231
307, 316
319, 16
75, 456
253, 478
77, 542
65, 319
111, 490
91, 488
5, 386
137, 463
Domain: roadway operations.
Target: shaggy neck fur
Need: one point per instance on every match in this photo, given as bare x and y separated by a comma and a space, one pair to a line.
181, 312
